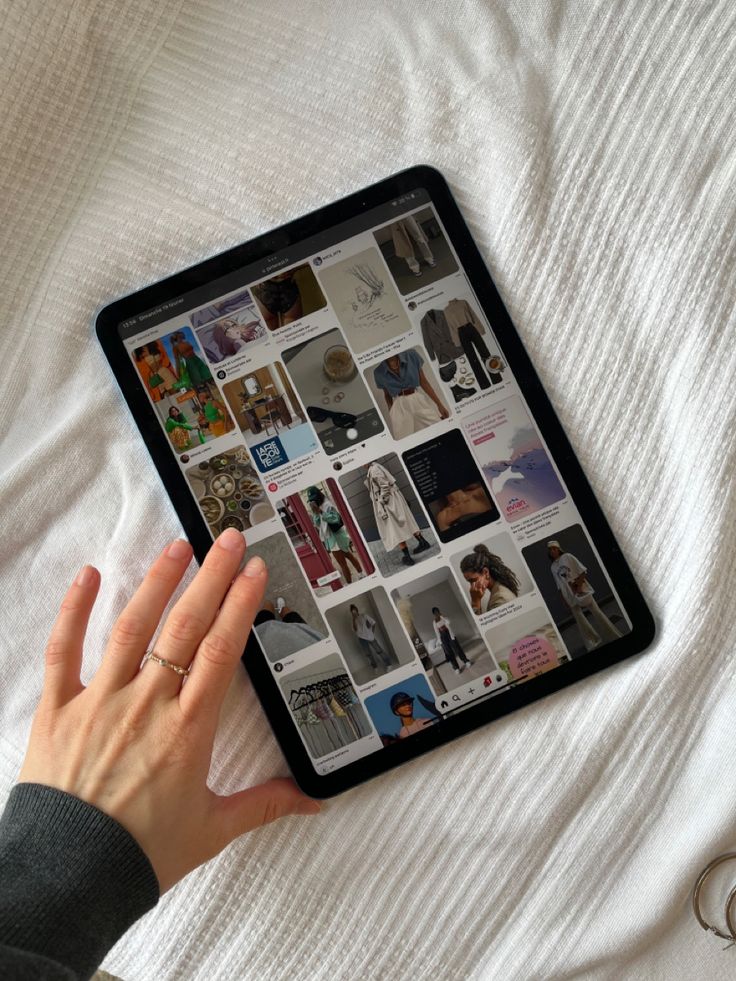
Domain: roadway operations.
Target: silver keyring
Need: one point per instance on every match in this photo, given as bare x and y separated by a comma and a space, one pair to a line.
729, 918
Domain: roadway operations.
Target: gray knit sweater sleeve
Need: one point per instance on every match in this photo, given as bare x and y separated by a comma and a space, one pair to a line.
72, 880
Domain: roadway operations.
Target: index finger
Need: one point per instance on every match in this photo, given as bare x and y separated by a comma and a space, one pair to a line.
220, 651
64, 647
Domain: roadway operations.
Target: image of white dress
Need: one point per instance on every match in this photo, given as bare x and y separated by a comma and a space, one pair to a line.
394, 519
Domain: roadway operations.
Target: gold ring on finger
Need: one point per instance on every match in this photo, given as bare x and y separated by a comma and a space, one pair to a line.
152, 656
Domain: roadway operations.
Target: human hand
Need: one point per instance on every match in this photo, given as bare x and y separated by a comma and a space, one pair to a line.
477, 590
137, 743
444, 412
578, 584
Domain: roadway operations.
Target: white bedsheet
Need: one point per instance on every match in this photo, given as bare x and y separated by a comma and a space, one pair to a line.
592, 148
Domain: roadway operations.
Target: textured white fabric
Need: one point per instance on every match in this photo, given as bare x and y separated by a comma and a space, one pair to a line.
592, 148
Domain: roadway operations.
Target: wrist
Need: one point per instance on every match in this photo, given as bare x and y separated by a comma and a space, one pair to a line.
79, 878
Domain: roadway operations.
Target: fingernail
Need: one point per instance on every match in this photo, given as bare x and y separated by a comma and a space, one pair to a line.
85, 576
179, 549
232, 540
254, 567
309, 807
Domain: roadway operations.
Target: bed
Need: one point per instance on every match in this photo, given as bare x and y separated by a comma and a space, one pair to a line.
592, 149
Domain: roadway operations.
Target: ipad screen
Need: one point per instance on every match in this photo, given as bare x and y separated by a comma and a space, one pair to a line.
346, 405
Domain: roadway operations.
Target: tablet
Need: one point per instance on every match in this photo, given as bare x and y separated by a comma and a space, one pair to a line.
349, 392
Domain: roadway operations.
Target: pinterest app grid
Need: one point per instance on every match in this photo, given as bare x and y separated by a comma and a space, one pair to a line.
354, 416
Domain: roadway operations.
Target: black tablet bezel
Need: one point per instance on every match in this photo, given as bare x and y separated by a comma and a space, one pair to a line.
643, 627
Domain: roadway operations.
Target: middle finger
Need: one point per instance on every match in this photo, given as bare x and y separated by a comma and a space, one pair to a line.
192, 615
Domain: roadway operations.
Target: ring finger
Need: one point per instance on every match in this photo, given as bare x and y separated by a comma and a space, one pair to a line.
192, 615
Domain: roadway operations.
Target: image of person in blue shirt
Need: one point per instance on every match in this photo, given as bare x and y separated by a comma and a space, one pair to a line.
411, 401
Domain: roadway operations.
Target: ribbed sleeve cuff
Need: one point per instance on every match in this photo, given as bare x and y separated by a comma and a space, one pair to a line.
72, 880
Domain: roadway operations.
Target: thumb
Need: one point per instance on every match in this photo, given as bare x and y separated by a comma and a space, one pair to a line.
256, 806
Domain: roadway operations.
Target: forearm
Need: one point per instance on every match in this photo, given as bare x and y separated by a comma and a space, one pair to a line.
425, 385
72, 880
